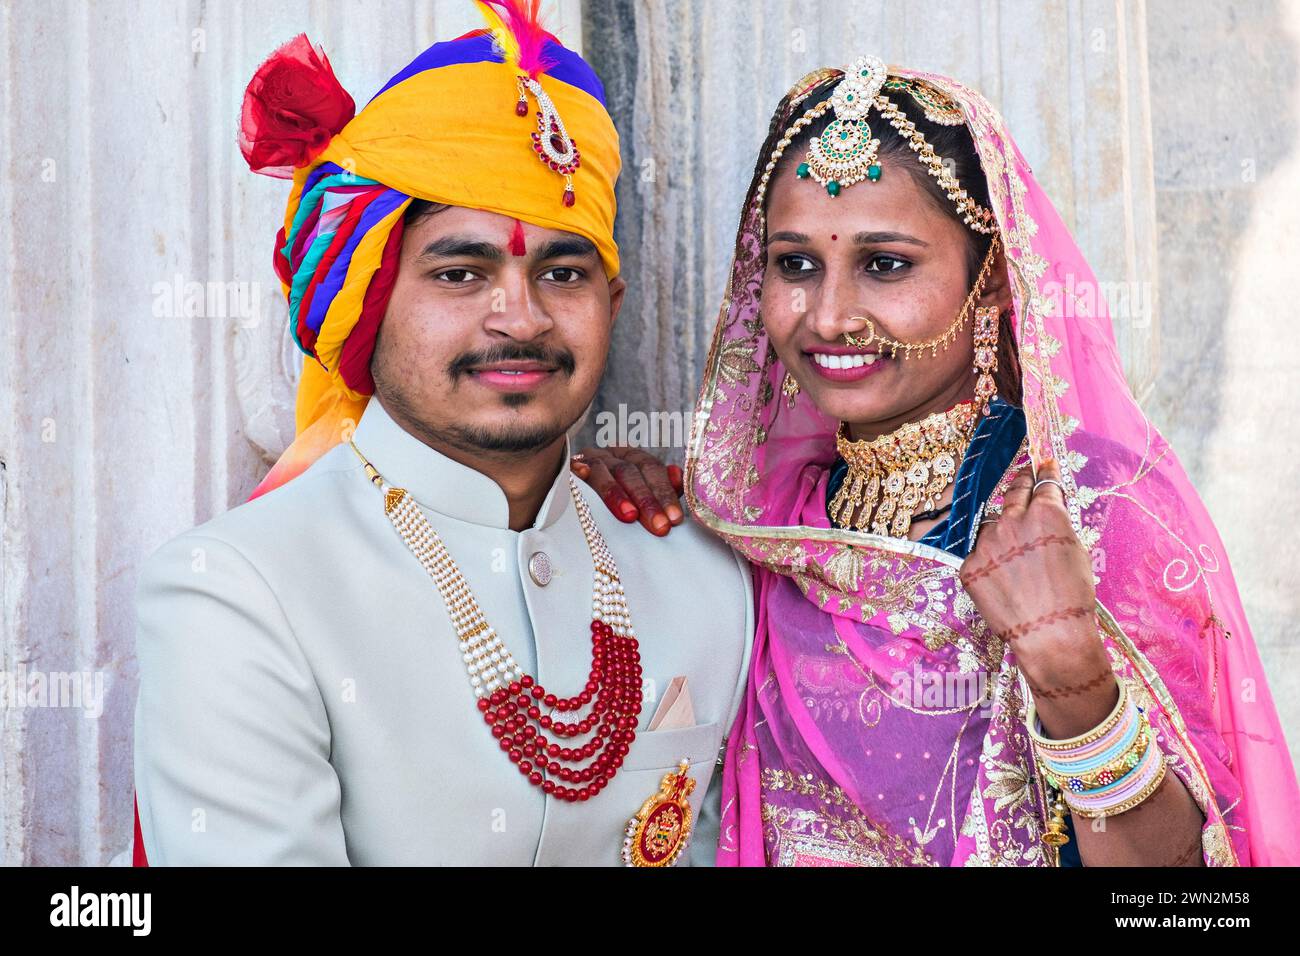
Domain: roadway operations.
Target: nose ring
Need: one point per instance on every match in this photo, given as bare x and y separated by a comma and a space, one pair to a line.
858, 342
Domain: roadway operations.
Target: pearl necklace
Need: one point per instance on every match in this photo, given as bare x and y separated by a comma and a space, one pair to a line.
508, 698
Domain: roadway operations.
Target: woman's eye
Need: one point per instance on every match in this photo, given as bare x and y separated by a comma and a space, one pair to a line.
793, 265
886, 264
456, 276
563, 274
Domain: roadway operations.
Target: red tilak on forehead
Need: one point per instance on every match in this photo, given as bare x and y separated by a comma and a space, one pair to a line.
517, 246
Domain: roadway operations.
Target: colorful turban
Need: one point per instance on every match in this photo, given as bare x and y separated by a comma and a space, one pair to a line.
491, 120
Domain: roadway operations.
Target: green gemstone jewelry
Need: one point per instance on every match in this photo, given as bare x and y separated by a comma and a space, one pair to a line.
845, 151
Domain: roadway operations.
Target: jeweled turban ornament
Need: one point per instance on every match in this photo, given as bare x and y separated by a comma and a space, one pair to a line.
516, 27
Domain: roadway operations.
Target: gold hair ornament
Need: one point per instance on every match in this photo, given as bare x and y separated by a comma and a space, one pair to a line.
846, 153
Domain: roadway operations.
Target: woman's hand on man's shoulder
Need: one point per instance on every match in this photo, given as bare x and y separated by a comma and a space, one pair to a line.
635, 485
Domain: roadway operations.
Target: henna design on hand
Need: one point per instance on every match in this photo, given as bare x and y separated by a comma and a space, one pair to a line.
1051, 617
1074, 691
1015, 552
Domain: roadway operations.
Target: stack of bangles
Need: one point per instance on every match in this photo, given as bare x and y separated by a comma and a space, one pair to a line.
1109, 769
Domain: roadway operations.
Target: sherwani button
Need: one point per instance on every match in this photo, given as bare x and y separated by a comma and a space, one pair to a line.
539, 568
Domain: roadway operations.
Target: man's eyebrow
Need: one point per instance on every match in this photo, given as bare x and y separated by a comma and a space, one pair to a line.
461, 247
869, 238
565, 246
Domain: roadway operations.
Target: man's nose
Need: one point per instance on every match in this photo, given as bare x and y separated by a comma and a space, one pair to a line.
515, 310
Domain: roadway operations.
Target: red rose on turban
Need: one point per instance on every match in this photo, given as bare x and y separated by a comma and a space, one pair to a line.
292, 108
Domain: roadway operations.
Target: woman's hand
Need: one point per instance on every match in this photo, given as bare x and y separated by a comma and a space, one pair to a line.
1031, 579
634, 485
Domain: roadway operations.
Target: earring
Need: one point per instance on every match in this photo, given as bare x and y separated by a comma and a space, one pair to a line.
986, 354
790, 389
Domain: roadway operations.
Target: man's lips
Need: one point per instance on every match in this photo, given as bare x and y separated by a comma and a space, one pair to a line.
515, 376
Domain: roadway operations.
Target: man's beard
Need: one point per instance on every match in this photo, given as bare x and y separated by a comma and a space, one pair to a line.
501, 440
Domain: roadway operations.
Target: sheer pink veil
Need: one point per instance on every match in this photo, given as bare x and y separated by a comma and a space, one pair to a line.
1167, 599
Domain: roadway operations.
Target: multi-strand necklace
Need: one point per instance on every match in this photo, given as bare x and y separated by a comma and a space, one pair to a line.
510, 700
892, 477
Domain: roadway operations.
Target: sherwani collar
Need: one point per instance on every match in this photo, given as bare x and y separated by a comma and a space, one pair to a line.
439, 483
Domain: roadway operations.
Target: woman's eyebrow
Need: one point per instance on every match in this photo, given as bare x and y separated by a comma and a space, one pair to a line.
870, 238
861, 239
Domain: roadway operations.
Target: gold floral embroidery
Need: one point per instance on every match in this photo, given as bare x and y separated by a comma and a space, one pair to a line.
736, 361
838, 832
845, 568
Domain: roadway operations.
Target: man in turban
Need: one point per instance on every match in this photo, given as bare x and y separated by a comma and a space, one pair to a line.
419, 644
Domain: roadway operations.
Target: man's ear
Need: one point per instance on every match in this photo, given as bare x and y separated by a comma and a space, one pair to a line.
617, 289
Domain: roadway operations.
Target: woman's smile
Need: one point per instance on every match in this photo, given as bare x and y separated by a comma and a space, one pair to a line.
840, 364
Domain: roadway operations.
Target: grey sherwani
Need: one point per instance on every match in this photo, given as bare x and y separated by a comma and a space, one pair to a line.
303, 699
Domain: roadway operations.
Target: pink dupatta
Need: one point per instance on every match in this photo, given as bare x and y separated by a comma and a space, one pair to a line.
841, 755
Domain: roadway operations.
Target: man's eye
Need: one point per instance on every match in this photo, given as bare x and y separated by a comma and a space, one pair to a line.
456, 276
886, 264
795, 264
562, 274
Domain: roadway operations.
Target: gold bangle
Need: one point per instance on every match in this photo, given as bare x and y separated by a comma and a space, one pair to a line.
1101, 730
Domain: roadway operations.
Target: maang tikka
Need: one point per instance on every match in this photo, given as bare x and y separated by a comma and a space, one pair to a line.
846, 153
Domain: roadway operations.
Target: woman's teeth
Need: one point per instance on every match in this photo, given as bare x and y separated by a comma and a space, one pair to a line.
843, 361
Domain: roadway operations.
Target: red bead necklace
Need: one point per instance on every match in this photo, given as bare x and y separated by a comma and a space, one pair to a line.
510, 700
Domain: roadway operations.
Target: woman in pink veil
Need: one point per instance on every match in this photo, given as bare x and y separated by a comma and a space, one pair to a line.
995, 624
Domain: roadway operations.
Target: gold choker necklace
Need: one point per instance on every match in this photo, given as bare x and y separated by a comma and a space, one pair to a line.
892, 477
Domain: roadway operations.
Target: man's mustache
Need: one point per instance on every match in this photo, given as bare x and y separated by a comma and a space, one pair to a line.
466, 362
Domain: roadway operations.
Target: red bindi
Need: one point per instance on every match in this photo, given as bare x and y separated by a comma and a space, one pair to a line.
833, 237
517, 245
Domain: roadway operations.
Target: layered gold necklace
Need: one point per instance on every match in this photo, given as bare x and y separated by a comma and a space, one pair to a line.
892, 478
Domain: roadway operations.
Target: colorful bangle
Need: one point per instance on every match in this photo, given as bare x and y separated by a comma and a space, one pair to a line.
1081, 781
1107, 770
1109, 749
1127, 792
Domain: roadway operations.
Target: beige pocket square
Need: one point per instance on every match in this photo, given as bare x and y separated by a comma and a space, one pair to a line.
675, 710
